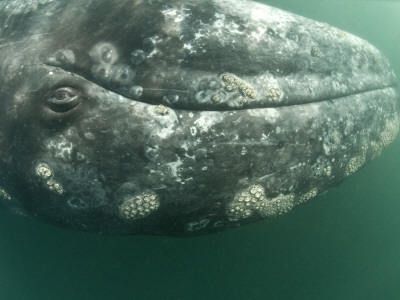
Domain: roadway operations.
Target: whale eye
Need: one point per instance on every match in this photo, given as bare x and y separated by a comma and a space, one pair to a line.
63, 99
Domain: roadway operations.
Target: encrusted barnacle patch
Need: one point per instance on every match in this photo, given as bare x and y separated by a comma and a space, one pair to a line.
139, 206
235, 84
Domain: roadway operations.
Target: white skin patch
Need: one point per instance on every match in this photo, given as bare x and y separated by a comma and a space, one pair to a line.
259, 34
173, 19
165, 124
61, 147
207, 119
174, 166
256, 12
270, 114
189, 47
221, 24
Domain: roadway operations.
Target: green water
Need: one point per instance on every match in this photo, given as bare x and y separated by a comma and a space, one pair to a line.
344, 245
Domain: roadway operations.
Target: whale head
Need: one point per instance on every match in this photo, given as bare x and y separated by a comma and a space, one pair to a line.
181, 117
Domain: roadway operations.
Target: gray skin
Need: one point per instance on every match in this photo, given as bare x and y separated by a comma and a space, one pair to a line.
181, 117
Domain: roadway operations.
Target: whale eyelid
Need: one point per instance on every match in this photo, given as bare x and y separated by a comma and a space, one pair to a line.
63, 99
61, 93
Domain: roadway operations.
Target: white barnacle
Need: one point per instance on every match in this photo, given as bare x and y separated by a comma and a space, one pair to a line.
55, 186
4, 195
161, 110
104, 53
43, 171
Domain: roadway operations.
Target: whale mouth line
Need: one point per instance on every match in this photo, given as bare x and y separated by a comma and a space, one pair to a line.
195, 106
276, 106
333, 99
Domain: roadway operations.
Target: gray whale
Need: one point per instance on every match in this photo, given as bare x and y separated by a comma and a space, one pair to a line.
181, 117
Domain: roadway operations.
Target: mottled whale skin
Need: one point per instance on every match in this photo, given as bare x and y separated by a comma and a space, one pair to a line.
181, 117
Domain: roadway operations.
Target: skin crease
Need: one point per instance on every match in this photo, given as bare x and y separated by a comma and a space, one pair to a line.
186, 118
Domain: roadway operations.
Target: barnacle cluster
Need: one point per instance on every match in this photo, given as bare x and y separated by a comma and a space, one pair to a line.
354, 164
253, 199
277, 206
233, 84
274, 94
246, 202
308, 195
315, 52
44, 171
47, 176
4, 195
105, 66
389, 132
161, 110
139, 206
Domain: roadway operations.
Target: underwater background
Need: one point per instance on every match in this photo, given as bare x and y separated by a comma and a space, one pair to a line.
345, 244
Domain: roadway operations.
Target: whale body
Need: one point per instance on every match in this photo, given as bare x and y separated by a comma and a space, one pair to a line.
181, 117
